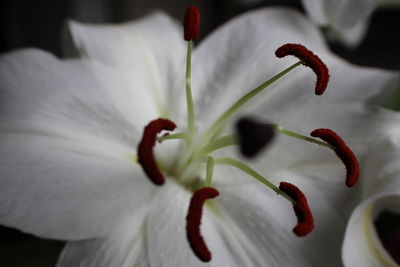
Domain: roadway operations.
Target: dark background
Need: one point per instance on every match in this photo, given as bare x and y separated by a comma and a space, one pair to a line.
38, 23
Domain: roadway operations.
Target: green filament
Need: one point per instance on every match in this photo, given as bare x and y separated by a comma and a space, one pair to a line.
225, 141
220, 122
189, 98
247, 169
209, 171
300, 136
181, 136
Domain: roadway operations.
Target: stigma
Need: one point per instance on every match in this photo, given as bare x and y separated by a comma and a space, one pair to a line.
251, 137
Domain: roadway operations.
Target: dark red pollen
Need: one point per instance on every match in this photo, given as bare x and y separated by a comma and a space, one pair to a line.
193, 221
191, 23
343, 152
305, 220
308, 59
145, 148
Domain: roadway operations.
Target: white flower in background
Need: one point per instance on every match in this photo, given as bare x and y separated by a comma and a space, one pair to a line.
70, 131
380, 194
344, 20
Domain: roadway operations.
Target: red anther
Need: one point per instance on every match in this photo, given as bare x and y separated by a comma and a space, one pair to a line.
305, 220
343, 152
145, 148
191, 23
193, 221
310, 60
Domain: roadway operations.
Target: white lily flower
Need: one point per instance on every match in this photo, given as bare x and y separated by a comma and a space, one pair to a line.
346, 19
70, 130
380, 193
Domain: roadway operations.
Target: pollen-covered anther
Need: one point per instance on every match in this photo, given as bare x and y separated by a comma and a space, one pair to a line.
253, 136
191, 23
145, 149
193, 221
343, 152
308, 59
305, 220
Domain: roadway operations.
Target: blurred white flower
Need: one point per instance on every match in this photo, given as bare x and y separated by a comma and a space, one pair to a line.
346, 20
69, 129
380, 193
343, 20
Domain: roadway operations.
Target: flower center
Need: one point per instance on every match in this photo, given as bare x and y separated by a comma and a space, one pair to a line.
250, 137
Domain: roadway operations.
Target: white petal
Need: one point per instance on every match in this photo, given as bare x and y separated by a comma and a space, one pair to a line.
381, 191
166, 236
339, 13
124, 44
244, 60
264, 221
68, 129
122, 250
346, 20
361, 246
55, 188
359, 128
152, 49
350, 36
72, 98
382, 163
349, 13
316, 10
344, 108
240, 55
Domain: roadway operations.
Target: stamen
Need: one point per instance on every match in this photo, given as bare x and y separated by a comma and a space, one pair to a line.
191, 23
343, 152
219, 124
305, 220
247, 169
253, 136
310, 60
145, 148
193, 221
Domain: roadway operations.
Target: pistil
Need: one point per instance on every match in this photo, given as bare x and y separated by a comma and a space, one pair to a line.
191, 25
